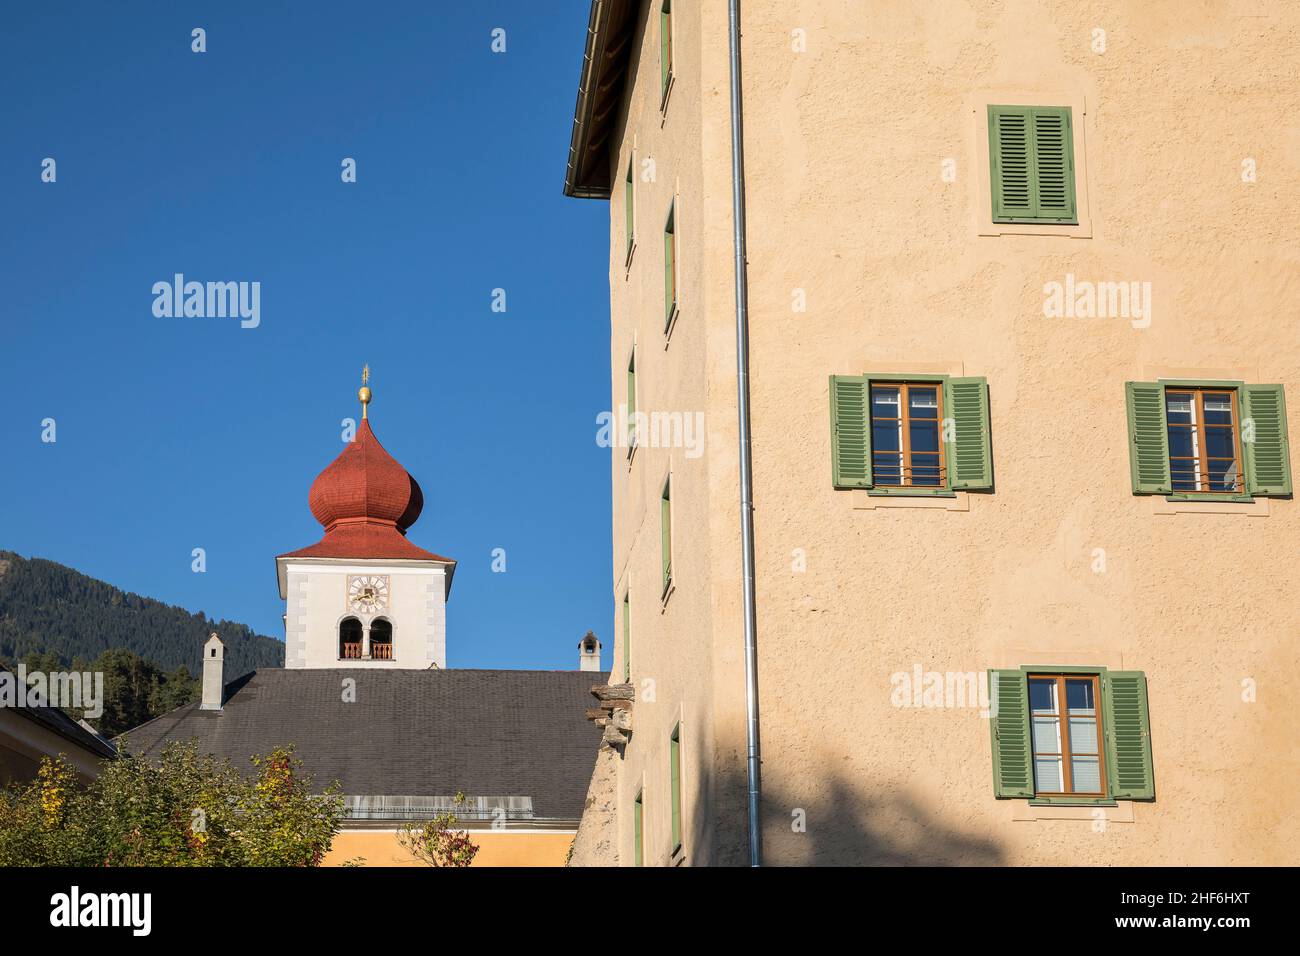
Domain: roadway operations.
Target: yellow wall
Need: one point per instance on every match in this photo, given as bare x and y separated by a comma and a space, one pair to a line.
508, 848
845, 146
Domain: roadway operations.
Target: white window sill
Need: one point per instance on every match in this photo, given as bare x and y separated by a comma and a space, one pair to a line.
864, 500
1022, 811
1160, 505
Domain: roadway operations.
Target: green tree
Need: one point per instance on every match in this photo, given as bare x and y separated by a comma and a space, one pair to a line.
187, 809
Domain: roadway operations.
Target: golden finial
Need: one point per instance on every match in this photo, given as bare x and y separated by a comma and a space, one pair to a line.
364, 393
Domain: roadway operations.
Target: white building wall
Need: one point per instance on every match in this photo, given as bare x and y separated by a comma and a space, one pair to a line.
317, 601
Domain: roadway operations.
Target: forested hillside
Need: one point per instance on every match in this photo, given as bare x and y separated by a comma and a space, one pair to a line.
47, 608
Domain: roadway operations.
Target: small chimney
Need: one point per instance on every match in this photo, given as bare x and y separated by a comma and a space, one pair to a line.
214, 656
589, 653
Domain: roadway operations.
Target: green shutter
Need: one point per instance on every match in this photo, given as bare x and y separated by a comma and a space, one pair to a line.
631, 402
627, 207
670, 269
970, 453
1031, 164
627, 637
850, 431
1128, 736
675, 764
1011, 162
638, 831
1053, 165
666, 536
1013, 771
1268, 455
1148, 438
665, 48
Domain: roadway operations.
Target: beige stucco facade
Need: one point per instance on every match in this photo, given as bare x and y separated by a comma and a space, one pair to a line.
508, 847
872, 249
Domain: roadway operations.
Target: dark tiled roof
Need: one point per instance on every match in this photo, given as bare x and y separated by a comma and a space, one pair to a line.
410, 732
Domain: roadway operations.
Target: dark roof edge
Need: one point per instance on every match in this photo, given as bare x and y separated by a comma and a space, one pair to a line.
59, 722
70, 730
577, 179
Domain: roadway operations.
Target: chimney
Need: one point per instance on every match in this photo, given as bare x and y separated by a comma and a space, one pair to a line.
589, 653
214, 656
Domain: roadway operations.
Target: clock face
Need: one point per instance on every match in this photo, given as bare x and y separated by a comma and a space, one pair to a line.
368, 593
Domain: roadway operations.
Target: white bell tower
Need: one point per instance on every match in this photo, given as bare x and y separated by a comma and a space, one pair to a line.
364, 595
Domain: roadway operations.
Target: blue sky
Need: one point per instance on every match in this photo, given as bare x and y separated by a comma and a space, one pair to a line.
177, 433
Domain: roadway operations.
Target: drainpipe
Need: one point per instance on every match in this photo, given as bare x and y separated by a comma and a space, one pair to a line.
742, 407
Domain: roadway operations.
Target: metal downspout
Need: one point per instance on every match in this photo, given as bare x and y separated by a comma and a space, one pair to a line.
742, 407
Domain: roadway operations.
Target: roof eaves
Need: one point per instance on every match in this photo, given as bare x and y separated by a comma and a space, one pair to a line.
603, 70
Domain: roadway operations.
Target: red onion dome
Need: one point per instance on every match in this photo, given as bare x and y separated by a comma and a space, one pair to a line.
365, 483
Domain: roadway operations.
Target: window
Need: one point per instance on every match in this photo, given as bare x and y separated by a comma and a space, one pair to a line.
631, 405
381, 640
665, 51
675, 775
670, 270
921, 435
629, 216
349, 639
1031, 163
905, 449
1066, 734
627, 637
1070, 735
666, 536
638, 829
1204, 454
1208, 440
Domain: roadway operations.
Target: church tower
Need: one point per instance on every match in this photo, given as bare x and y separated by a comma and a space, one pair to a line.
364, 595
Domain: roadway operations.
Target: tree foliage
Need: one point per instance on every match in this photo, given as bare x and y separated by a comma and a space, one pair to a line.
185, 809
135, 690
437, 842
47, 608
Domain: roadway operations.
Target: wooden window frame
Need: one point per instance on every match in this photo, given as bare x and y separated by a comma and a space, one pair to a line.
1063, 728
905, 437
1199, 428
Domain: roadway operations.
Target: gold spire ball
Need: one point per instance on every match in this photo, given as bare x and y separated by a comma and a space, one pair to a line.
363, 393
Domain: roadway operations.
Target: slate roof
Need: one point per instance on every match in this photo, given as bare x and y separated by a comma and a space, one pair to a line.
409, 732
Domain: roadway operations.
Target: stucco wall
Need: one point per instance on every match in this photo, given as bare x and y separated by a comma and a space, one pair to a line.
846, 143
496, 848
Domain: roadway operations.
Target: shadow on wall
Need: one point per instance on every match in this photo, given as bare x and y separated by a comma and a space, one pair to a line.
838, 821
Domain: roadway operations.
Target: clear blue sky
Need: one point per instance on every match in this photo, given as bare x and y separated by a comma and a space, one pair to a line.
177, 433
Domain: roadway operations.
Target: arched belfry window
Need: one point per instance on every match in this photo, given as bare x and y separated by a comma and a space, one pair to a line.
381, 639
349, 639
